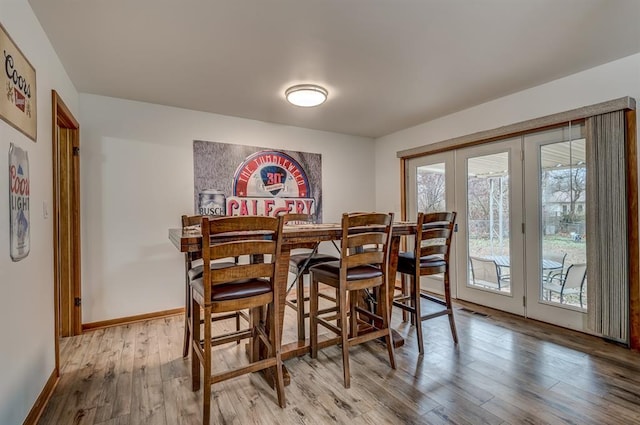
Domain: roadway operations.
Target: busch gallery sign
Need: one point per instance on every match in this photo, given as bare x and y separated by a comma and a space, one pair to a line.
270, 183
17, 88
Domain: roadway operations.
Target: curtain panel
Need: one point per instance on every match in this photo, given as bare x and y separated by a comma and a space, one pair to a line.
607, 247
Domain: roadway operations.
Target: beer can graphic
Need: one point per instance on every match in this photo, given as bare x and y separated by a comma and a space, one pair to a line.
211, 202
20, 238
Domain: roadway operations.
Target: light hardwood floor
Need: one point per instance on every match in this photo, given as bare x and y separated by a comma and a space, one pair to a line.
506, 370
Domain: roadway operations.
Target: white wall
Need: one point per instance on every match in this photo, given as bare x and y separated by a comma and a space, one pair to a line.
136, 162
137, 179
26, 287
610, 81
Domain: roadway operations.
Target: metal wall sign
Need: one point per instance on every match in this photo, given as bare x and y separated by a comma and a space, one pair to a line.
19, 203
234, 179
17, 88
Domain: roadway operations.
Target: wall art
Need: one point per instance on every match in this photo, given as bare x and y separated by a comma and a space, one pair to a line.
247, 180
19, 203
18, 85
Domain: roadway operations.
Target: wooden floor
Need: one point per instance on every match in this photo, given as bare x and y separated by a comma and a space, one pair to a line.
505, 371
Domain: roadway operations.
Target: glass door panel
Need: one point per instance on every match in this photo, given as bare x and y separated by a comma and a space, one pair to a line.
489, 202
429, 184
430, 187
556, 170
488, 221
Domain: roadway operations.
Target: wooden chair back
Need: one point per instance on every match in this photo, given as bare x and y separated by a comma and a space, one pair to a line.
434, 232
237, 236
366, 240
430, 256
191, 220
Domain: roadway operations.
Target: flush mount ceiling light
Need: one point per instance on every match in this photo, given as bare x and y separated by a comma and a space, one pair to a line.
306, 95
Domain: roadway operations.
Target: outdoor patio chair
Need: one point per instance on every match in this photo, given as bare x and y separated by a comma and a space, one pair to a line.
556, 258
485, 272
570, 283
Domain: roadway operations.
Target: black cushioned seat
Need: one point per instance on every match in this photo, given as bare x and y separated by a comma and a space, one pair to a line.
297, 262
407, 262
231, 291
355, 273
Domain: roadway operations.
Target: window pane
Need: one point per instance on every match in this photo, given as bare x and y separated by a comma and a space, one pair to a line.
431, 188
488, 221
563, 248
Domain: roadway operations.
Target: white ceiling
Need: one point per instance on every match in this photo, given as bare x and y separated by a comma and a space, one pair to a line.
388, 64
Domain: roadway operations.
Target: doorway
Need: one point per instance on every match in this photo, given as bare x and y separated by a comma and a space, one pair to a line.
556, 236
489, 194
66, 222
521, 221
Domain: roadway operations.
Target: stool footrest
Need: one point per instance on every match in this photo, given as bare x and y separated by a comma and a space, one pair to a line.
432, 298
368, 336
231, 337
253, 367
404, 306
436, 314
328, 325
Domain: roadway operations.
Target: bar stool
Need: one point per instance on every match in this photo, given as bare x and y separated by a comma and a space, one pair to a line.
362, 266
236, 287
430, 256
300, 262
193, 267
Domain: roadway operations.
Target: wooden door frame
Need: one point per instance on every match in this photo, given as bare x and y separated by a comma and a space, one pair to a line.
626, 104
63, 118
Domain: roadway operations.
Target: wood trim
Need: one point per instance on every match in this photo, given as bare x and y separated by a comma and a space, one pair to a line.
56, 297
61, 117
54, 183
403, 189
42, 400
75, 207
632, 227
521, 127
62, 219
92, 326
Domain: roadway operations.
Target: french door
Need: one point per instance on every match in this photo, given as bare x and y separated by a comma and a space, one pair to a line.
521, 222
555, 174
490, 256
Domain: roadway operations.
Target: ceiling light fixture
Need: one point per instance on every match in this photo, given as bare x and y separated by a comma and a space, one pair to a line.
306, 95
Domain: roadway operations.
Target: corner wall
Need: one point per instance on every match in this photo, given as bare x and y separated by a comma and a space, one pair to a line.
26, 287
136, 165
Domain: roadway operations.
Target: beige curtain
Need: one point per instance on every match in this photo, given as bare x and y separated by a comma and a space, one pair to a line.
607, 250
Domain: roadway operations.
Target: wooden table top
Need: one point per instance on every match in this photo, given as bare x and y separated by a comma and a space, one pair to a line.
190, 239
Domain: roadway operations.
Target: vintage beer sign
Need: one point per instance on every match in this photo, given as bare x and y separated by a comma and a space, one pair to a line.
270, 183
232, 179
18, 88
211, 202
19, 203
